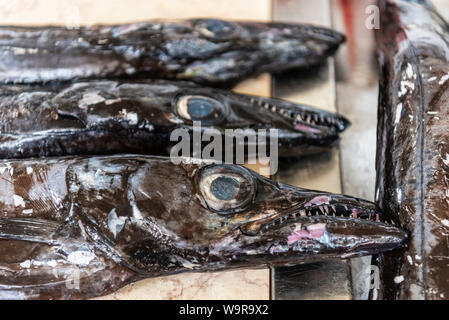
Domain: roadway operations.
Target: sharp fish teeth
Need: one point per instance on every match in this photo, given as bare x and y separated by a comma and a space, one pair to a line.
326, 210
298, 117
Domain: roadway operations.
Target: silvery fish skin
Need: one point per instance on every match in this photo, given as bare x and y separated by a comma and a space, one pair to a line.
108, 117
209, 51
413, 148
112, 220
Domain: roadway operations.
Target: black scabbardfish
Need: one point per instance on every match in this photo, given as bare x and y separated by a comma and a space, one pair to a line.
209, 51
106, 117
413, 148
112, 220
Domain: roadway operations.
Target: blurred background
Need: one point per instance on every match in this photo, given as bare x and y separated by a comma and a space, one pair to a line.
346, 83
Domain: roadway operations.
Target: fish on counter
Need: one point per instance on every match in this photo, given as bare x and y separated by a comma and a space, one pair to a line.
209, 51
413, 148
79, 227
107, 117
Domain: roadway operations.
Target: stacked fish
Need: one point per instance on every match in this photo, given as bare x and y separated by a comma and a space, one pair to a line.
86, 184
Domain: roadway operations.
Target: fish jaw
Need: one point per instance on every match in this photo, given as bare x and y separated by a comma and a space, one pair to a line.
318, 226
296, 121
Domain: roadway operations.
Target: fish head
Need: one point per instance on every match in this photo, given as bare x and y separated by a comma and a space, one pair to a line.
281, 224
231, 50
157, 108
163, 106
164, 212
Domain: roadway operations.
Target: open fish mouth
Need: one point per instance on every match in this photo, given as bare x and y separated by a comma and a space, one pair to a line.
308, 225
305, 119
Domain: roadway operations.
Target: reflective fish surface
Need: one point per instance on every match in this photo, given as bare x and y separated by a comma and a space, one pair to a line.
106, 117
413, 148
203, 50
79, 227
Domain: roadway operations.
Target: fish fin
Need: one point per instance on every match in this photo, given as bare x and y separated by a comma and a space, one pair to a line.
35, 230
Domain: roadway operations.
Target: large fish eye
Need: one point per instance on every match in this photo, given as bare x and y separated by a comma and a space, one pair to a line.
214, 28
200, 108
226, 188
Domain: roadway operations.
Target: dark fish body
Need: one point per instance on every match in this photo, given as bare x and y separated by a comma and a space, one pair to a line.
108, 117
204, 50
413, 148
77, 227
